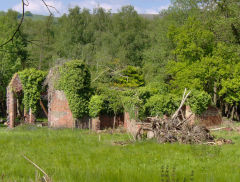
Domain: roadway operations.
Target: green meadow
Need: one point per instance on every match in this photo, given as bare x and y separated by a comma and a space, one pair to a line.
77, 155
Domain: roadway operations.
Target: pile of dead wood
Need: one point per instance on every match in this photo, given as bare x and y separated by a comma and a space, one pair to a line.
180, 129
174, 130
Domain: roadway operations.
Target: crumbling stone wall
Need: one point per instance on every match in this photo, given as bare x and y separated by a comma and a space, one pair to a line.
15, 88
210, 117
105, 121
132, 126
59, 113
11, 107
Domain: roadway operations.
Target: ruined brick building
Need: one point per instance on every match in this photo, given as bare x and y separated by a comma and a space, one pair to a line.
60, 116
14, 93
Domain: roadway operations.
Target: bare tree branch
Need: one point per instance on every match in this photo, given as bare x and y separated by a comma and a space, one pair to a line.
26, 3
19, 25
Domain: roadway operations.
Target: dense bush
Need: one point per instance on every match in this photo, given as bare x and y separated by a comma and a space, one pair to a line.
32, 80
199, 101
159, 105
75, 81
130, 77
111, 100
135, 99
95, 105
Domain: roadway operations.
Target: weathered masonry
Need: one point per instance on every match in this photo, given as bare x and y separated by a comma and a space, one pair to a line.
60, 116
59, 112
14, 92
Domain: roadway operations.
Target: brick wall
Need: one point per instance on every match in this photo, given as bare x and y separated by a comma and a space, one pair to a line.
14, 88
59, 113
16, 83
132, 126
105, 121
11, 107
210, 117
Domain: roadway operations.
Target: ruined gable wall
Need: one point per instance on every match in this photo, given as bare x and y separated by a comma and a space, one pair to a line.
59, 113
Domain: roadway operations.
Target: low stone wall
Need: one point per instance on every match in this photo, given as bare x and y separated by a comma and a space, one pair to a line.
210, 117
132, 126
105, 121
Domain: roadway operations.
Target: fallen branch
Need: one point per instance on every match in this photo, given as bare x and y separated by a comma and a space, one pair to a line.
46, 177
216, 129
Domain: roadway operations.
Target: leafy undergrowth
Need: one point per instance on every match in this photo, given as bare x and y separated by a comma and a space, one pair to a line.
75, 155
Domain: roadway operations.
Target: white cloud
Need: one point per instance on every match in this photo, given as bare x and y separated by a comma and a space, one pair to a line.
114, 6
153, 10
38, 7
91, 4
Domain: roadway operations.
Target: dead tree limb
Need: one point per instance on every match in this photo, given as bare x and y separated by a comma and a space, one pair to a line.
182, 103
44, 109
46, 177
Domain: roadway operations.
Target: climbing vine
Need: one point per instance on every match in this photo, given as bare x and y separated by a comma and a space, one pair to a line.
95, 105
32, 81
75, 81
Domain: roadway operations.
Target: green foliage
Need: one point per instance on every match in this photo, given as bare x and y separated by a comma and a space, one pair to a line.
111, 101
32, 81
75, 81
28, 13
192, 40
13, 55
130, 77
199, 101
193, 44
132, 104
134, 100
159, 105
95, 105
230, 86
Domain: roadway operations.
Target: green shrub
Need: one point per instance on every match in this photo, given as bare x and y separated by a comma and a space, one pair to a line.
131, 76
159, 105
75, 81
32, 81
199, 101
95, 105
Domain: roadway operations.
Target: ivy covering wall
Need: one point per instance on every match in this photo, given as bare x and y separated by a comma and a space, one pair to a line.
32, 82
75, 81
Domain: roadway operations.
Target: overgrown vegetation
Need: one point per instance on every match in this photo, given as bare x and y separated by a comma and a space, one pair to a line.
193, 44
199, 101
75, 81
32, 82
95, 105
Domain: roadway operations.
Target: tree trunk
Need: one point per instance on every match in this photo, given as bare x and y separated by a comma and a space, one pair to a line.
215, 94
232, 113
114, 121
236, 113
226, 110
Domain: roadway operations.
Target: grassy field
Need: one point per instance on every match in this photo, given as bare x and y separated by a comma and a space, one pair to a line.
75, 155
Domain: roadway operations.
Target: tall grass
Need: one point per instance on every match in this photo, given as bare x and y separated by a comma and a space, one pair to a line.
75, 155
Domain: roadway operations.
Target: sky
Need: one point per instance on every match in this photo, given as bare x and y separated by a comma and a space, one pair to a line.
37, 6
